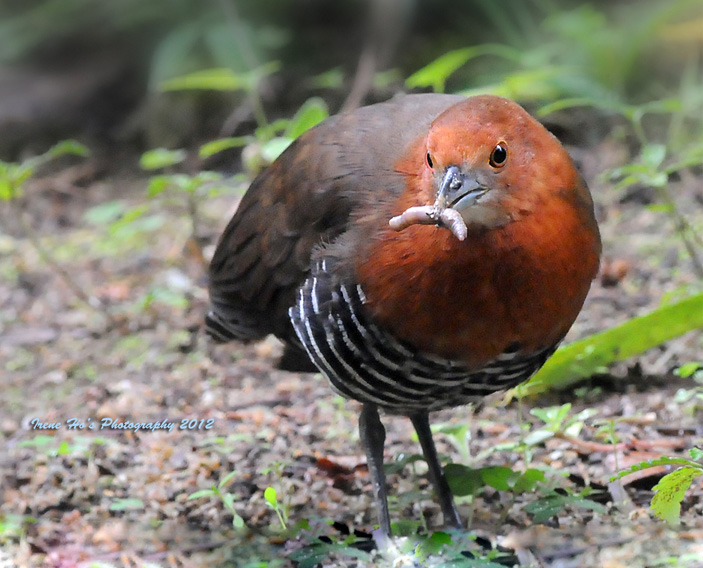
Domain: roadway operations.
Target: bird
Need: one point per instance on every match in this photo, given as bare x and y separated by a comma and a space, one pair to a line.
422, 253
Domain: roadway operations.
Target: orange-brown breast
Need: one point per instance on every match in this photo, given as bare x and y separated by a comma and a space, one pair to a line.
468, 300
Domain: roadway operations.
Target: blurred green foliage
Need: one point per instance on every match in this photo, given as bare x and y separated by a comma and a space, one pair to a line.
557, 52
671, 489
592, 355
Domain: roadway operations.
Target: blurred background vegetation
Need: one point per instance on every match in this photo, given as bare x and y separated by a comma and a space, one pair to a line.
105, 70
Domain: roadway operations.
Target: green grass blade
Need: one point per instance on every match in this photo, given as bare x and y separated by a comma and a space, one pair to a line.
585, 357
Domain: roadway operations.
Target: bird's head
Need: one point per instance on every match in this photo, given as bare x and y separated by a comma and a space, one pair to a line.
487, 163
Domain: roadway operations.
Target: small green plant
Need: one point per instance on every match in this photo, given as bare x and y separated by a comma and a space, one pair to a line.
551, 53
465, 481
558, 423
272, 500
52, 447
554, 502
271, 495
459, 435
671, 489
129, 504
227, 498
438, 549
13, 178
192, 187
260, 149
314, 554
12, 527
269, 140
692, 397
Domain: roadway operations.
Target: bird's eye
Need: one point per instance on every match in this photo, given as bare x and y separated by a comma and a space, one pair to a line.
499, 155
429, 160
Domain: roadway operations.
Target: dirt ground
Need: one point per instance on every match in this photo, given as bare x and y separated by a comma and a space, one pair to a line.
107, 495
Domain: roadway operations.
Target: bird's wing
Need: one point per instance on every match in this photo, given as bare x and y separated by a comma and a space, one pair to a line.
304, 199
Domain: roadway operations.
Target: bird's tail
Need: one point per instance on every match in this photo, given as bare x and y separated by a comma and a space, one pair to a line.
224, 329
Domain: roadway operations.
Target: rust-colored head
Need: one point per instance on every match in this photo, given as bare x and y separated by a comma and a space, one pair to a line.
491, 162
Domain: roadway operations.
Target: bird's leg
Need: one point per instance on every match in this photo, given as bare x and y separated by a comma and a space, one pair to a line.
421, 423
373, 437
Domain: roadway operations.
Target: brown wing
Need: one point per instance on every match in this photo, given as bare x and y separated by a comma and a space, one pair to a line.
303, 199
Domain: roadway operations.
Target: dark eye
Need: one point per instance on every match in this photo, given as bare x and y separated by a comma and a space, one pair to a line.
499, 155
429, 160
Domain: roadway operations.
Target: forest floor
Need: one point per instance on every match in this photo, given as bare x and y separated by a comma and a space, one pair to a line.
112, 496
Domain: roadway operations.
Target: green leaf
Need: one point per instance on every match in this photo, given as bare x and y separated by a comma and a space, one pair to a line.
696, 454
401, 461
7, 190
238, 522
311, 555
585, 357
656, 462
268, 131
228, 501
312, 112
552, 416
275, 147
498, 477
693, 156
653, 155
524, 85
227, 478
688, 369
538, 436
271, 497
37, 442
433, 545
200, 494
105, 213
12, 178
463, 480
545, 508
65, 147
436, 73
528, 480
161, 158
562, 104
127, 219
167, 297
126, 505
582, 503
157, 185
332, 79
221, 79
64, 449
222, 144
670, 491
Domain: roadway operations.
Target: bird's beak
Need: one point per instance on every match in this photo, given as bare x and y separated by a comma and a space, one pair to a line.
458, 190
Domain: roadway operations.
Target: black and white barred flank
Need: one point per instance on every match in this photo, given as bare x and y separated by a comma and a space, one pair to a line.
368, 364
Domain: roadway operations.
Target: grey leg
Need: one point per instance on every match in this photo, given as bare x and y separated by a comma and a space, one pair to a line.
373, 437
421, 423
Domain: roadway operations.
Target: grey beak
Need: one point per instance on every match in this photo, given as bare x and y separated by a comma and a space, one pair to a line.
458, 190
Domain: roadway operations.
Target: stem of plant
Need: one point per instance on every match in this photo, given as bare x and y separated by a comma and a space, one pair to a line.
684, 229
195, 228
240, 36
90, 301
